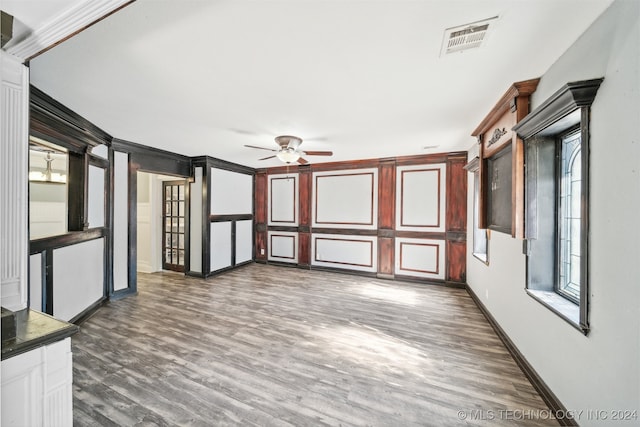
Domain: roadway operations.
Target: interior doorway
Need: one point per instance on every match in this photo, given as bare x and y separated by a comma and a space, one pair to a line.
173, 225
161, 223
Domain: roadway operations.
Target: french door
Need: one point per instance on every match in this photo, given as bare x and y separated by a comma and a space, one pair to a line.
173, 225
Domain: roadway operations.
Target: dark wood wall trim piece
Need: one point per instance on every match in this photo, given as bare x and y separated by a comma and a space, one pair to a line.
541, 387
68, 239
154, 160
47, 286
53, 121
230, 217
88, 312
132, 227
260, 221
456, 261
456, 210
225, 165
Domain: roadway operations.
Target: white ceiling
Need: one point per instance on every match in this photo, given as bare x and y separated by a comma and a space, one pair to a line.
361, 78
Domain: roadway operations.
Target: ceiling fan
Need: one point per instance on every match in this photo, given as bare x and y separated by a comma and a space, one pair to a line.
289, 150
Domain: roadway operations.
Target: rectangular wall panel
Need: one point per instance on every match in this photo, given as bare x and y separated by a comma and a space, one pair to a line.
283, 246
346, 199
35, 282
195, 223
283, 199
96, 197
244, 241
421, 198
120, 221
231, 192
220, 245
78, 278
341, 251
420, 258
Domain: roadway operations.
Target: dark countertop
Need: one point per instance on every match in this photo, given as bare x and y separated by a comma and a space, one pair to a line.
35, 329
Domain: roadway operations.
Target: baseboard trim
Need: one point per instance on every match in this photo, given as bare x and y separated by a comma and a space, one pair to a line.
88, 312
541, 387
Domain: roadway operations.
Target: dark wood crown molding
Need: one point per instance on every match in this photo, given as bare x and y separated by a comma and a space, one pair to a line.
569, 98
505, 103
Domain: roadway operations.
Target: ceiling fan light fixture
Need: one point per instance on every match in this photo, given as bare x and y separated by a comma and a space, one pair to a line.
288, 156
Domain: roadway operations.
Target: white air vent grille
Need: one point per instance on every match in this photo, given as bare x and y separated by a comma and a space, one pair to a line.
465, 37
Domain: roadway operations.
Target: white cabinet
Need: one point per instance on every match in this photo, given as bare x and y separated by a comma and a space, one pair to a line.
37, 387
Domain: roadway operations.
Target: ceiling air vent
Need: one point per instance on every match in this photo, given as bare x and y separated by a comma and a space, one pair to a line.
465, 37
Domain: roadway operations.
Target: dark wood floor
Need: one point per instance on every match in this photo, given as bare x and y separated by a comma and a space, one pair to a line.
276, 346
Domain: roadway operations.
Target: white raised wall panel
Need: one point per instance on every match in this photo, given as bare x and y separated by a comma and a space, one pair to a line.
231, 192
421, 198
283, 199
420, 258
96, 202
347, 252
195, 224
120, 221
283, 246
78, 278
244, 241
220, 245
345, 199
37, 387
35, 282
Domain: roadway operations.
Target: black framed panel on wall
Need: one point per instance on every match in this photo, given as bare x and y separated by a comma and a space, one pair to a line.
499, 194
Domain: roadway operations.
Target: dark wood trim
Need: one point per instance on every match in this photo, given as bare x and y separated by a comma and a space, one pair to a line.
346, 231
206, 223
154, 160
52, 121
68, 239
77, 192
523, 88
132, 227
109, 223
230, 217
568, 98
541, 387
88, 312
47, 288
122, 293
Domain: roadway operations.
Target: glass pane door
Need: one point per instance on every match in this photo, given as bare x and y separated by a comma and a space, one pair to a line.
173, 217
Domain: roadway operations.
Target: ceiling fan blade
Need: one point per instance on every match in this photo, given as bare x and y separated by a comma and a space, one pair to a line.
319, 153
260, 148
302, 161
265, 158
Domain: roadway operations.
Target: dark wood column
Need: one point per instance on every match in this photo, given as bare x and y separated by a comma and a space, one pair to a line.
260, 204
386, 217
304, 222
456, 219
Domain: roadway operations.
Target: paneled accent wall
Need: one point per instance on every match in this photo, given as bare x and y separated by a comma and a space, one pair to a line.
398, 217
14, 127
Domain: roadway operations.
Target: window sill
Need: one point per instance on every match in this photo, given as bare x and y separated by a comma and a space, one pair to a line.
482, 257
561, 306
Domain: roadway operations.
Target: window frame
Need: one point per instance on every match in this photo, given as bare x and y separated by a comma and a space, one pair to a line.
565, 111
473, 167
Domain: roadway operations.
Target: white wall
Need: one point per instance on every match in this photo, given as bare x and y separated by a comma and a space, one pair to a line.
599, 371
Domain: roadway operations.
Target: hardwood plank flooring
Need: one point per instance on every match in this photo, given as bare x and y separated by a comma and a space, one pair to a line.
273, 346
